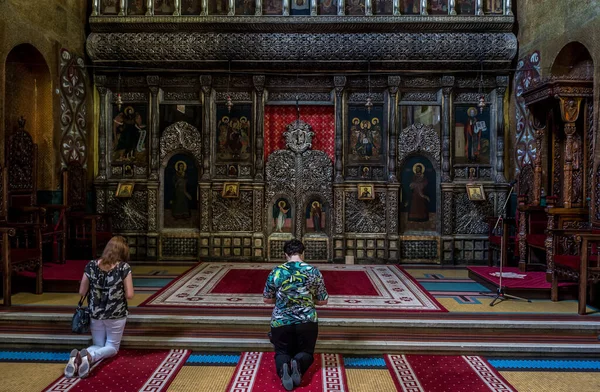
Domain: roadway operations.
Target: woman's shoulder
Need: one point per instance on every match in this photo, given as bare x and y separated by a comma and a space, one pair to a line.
92, 264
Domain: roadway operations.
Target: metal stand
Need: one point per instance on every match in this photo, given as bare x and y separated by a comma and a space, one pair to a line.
501, 295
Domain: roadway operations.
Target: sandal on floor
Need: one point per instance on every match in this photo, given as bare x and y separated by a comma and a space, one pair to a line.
73, 364
86, 364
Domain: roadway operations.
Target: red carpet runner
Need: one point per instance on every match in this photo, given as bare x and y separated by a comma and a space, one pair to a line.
130, 370
256, 372
442, 373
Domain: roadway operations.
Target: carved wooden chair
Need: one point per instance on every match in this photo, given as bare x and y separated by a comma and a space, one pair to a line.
85, 231
23, 250
21, 158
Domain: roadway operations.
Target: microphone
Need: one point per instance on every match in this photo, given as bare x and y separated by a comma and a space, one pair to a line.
512, 183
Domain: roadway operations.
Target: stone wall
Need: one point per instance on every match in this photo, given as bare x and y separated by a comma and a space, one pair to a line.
47, 25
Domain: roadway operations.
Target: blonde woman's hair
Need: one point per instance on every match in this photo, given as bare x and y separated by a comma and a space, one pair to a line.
116, 250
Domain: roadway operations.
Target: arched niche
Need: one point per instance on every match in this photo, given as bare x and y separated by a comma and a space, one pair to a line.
180, 170
574, 59
28, 93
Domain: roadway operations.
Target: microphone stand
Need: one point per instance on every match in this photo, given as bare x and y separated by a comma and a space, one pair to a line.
501, 295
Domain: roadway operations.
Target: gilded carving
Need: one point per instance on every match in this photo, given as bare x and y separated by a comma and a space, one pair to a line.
181, 136
131, 213
152, 204
419, 138
232, 214
470, 217
365, 216
204, 209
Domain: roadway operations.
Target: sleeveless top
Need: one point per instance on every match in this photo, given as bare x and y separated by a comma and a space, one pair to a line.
106, 297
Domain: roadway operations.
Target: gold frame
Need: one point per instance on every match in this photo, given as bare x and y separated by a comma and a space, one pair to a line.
370, 196
236, 190
125, 189
472, 194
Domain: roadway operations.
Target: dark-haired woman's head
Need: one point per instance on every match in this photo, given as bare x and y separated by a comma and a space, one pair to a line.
293, 247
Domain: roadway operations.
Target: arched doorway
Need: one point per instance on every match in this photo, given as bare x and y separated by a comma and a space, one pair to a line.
28, 93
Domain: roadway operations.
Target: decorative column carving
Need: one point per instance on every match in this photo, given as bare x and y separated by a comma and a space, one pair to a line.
96, 8
259, 127
424, 7
448, 83
522, 236
206, 86
121, 7
368, 7
393, 87
447, 210
149, 7
313, 8
452, 7
341, 11
230, 7
339, 82
479, 7
569, 111
508, 7
500, 91
549, 242
204, 11
538, 134
153, 81
396, 5
286, 7
177, 11
100, 81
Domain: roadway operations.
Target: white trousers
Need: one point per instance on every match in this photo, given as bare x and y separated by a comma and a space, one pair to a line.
106, 336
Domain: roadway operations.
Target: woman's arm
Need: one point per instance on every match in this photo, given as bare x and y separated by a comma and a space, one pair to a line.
321, 302
270, 301
128, 284
84, 286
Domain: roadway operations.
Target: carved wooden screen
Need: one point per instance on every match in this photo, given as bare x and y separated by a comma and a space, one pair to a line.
74, 186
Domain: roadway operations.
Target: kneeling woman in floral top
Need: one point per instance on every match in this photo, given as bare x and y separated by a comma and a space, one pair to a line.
110, 285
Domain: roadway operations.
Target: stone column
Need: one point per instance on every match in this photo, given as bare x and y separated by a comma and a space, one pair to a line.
153, 81
96, 8
452, 7
100, 81
424, 7
447, 90
259, 128
341, 11
313, 8
204, 10
121, 7
231, 8
508, 7
286, 7
393, 87
177, 5
259, 8
207, 104
479, 7
339, 82
396, 6
569, 110
149, 7
368, 7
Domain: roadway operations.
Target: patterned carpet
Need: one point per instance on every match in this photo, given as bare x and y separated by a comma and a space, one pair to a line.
210, 372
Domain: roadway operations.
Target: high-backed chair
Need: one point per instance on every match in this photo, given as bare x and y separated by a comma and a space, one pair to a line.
21, 162
23, 250
85, 232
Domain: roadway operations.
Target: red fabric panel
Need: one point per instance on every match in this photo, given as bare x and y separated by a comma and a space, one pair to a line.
23, 254
320, 118
568, 261
242, 281
71, 270
532, 279
538, 240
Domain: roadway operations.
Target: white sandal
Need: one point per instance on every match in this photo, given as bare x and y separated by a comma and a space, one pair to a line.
72, 365
84, 368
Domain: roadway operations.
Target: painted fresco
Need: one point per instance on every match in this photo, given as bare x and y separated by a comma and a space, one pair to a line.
438, 7
327, 7
383, 7
136, 7
410, 7
172, 113
419, 197
245, 7
130, 134
282, 216
164, 7
190, 7
365, 134
493, 7
472, 134
272, 7
110, 7
233, 133
300, 7
315, 215
355, 7
465, 7
217, 7
180, 193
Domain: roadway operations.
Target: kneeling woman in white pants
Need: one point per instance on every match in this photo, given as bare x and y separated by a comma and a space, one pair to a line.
109, 285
